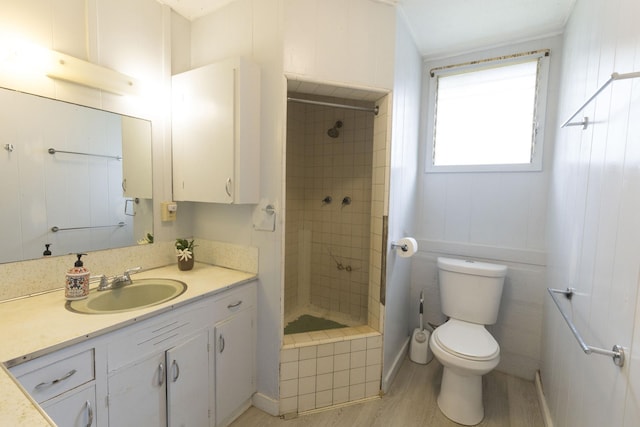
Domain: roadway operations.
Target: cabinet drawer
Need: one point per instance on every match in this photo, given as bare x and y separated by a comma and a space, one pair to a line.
235, 300
58, 377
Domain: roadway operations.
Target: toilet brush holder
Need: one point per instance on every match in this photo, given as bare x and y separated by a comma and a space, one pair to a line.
419, 351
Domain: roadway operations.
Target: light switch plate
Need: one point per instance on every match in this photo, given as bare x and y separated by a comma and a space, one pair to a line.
169, 211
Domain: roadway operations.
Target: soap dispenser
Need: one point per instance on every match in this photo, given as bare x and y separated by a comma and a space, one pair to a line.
77, 281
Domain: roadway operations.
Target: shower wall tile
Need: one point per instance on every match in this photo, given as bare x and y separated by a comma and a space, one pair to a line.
339, 234
324, 398
288, 388
318, 374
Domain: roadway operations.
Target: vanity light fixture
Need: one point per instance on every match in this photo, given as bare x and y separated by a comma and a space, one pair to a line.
71, 69
23, 58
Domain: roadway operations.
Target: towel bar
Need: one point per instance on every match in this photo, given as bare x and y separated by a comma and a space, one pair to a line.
617, 352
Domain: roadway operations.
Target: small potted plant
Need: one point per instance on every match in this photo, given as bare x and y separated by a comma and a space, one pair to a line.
184, 252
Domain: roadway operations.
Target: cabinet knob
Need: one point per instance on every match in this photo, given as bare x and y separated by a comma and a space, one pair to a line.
221, 343
89, 413
57, 380
227, 187
234, 305
176, 370
161, 374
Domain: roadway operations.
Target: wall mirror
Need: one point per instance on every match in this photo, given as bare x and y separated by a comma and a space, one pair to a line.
72, 177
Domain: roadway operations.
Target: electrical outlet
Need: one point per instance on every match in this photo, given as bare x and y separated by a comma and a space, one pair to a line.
169, 211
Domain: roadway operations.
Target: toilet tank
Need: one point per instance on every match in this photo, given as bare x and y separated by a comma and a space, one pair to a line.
470, 290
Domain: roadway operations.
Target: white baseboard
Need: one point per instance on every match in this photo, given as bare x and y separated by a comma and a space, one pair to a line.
542, 400
266, 404
395, 367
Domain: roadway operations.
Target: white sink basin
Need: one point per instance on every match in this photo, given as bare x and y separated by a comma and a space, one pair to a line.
139, 294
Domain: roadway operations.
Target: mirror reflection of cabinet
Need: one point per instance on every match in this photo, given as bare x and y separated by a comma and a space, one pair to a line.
136, 158
61, 165
216, 133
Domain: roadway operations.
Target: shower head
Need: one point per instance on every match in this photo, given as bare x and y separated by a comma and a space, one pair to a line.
333, 132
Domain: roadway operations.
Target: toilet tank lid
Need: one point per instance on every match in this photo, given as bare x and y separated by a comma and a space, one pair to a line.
472, 267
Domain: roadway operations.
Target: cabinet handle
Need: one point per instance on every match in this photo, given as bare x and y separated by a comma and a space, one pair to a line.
227, 187
89, 414
176, 371
221, 343
234, 305
57, 380
161, 374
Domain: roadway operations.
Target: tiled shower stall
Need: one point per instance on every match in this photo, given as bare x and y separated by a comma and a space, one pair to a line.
333, 255
328, 211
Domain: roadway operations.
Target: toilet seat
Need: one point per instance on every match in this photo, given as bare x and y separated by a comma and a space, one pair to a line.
467, 340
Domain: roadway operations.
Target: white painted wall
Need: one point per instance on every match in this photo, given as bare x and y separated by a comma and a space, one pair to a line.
336, 41
593, 222
402, 196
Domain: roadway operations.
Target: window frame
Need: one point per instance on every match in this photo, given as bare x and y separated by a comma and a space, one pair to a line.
540, 111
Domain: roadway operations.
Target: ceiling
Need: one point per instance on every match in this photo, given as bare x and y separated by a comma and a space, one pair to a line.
446, 27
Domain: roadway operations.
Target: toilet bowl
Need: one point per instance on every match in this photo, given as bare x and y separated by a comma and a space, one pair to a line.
470, 294
467, 352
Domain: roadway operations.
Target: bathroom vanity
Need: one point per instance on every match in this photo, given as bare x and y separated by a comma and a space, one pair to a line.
188, 361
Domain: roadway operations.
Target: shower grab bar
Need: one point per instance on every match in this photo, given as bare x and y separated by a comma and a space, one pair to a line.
54, 151
55, 228
373, 110
614, 76
616, 353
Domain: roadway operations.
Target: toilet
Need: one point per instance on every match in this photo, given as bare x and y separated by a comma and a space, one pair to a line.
470, 295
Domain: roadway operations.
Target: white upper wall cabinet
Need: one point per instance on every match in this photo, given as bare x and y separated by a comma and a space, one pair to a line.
216, 133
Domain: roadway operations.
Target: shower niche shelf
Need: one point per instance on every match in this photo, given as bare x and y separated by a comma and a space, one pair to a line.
216, 133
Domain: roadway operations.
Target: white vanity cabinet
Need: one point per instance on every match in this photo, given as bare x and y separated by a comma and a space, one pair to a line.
216, 133
64, 384
166, 370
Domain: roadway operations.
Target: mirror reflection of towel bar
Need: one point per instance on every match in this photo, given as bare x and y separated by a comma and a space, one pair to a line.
55, 229
54, 151
617, 353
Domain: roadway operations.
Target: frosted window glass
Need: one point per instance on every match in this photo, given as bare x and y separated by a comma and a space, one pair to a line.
486, 117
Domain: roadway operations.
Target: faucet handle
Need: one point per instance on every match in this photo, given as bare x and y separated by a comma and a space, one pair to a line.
131, 270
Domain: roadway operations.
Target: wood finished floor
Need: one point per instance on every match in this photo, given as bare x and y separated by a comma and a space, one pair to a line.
411, 401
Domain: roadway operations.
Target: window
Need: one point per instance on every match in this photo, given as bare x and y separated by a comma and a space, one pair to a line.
488, 116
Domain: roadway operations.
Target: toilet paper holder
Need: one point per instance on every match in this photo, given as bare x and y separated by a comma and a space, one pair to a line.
403, 248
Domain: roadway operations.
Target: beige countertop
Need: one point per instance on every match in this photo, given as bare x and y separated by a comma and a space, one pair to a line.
34, 326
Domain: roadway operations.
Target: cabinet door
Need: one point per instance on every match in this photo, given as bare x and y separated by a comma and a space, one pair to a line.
188, 382
137, 394
235, 363
74, 409
203, 143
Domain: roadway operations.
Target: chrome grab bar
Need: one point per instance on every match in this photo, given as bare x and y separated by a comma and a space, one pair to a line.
585, 122
617, 352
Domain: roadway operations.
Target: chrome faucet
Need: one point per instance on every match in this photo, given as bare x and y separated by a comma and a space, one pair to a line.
117, 281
